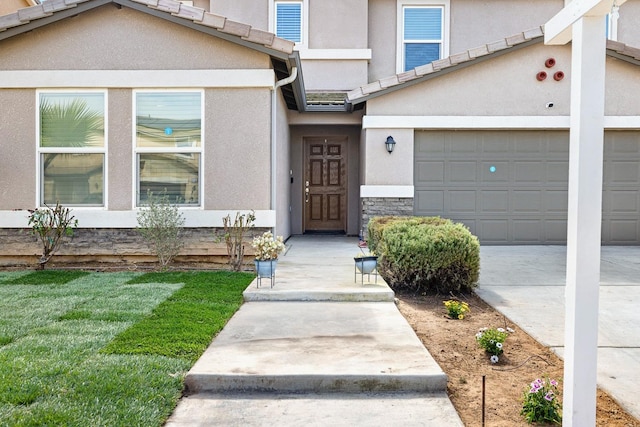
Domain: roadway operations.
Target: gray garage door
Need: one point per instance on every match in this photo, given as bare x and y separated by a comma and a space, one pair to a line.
510, 187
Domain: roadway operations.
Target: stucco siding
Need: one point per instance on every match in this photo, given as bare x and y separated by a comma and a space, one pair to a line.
108, 38
283, 167
628, 28
338, 25
119, 154
17, 149
323, 74
506, 85
474, 23
247, 11
237, 149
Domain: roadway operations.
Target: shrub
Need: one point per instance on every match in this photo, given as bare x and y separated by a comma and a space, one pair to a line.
51, 226
160, 223
540, 403
234, 237
377, 225
428, 254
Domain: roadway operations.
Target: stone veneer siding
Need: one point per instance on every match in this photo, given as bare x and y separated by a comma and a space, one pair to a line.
384, 206
116, 245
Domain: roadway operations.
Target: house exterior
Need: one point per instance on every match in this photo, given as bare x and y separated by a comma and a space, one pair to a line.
284, 107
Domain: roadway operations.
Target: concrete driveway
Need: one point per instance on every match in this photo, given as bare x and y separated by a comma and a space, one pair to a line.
526, 284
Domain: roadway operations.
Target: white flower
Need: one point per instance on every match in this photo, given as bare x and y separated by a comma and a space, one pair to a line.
494, 359
479, 335
500, 330
499, 345
510, 330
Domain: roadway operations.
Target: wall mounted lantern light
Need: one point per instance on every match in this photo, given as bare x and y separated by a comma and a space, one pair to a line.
391, 144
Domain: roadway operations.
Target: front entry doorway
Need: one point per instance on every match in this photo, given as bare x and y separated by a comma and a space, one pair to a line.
325, 185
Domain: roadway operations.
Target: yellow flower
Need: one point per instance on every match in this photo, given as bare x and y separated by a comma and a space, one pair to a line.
460, 316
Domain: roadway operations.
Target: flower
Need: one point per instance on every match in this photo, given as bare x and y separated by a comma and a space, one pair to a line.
267, 248
500, 329
456, 309
492, 341
540, 404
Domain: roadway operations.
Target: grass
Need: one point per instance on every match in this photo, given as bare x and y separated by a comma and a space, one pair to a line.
105, 349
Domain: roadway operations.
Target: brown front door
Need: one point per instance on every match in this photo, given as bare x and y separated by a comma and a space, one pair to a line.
325, 186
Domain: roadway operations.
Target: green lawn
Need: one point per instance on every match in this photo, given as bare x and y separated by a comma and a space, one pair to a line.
105, 349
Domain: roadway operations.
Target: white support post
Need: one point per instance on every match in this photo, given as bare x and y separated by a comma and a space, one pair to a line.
584, 22
584, 221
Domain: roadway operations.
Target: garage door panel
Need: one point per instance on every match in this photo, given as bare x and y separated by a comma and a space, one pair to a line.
526, 201
495, 172
557, 172
620, 202
430, 202
493, 231
462, 172
430, 172
556, 202
555, 231
527, 231
519, 180
622, 231
494, 201
461, 202
619, 172
532, 172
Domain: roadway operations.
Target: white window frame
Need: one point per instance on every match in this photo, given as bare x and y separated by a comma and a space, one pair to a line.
144, 150
305, 20
73, 150
400, 5
612, 26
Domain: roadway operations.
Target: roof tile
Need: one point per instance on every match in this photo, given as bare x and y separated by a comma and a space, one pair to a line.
355, 94
515, 39
260, 37
168, 6
31, 13
10, 20
212, 20
236, 28
533, 33
460, 57
190, 12
153, 3
478, 51
54, 5
407, 76
424, 69
441, 63
282, 45
497, 45
371, 87
616, 45
389, 81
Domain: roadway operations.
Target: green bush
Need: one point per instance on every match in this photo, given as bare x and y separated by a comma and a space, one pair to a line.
377, 225
427, 254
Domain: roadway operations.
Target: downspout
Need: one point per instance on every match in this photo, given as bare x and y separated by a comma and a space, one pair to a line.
279, 84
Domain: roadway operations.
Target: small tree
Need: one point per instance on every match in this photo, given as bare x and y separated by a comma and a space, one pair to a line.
160, 224
51, 226
234, 237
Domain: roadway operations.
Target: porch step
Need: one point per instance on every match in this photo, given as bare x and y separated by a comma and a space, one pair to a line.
316, 347
335, 409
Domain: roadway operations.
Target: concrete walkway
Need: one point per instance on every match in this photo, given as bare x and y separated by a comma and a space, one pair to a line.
323, 347
526, 284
